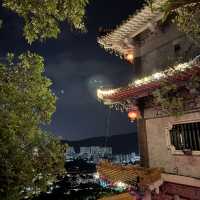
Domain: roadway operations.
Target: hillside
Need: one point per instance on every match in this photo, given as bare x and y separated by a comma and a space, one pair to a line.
125, 143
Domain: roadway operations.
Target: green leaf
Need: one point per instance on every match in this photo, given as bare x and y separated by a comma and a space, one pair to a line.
42, 18
30, 158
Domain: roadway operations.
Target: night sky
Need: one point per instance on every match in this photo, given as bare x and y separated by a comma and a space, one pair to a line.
77, 65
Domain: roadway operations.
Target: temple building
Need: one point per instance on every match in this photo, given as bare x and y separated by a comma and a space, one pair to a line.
163, 98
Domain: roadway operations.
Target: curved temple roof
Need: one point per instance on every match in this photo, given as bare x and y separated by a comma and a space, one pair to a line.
133, 26
144, 87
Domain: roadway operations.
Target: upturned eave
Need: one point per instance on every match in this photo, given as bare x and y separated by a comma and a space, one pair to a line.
136, 24
144, 87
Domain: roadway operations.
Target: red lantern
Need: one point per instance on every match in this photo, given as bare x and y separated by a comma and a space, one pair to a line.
133, 115
129, 57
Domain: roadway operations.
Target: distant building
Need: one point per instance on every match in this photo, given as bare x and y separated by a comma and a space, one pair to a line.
70, 153
95, 153
85, 150
71, 150
136, 158
96, 150
126, 158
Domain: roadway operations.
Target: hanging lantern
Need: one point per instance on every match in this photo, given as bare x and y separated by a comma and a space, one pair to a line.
129, 57
134, 114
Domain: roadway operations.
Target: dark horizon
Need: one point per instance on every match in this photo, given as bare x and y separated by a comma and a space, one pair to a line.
77, 66
93, 137
129, 144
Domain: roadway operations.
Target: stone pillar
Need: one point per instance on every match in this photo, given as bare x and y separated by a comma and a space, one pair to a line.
142, 140
147, 195
176, 197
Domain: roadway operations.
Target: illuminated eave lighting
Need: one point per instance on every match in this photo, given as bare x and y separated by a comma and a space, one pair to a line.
182, 67
101, 93
161, 75
154, 77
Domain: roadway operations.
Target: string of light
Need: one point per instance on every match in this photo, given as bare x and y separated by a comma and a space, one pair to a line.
170, 72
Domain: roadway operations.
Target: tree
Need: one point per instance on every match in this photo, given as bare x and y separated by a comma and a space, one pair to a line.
29, 158
186, 14
42, 17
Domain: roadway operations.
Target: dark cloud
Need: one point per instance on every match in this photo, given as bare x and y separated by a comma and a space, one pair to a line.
77, 66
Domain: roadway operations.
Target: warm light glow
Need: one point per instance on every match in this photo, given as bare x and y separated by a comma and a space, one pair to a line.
132, 115
182, 67
96, 175
158, 75
121, 185
149, 79
102, 93
130, 57
142, 81
161, 75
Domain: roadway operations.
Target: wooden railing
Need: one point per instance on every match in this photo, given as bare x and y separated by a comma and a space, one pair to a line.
131, 175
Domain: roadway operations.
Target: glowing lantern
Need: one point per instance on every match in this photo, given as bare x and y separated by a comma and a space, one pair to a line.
129, 56
132, 115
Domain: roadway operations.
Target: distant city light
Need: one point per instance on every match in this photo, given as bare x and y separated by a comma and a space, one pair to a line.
96, 175
121, 185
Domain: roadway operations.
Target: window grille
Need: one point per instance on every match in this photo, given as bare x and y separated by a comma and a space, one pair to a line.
186, 136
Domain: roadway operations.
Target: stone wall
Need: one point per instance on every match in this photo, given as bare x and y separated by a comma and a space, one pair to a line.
162, 48
171, 191
160, 153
